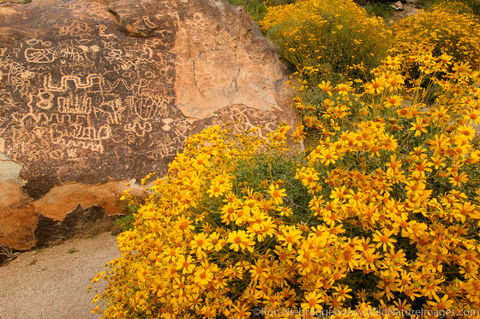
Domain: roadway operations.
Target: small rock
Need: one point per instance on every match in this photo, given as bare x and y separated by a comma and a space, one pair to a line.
398, 6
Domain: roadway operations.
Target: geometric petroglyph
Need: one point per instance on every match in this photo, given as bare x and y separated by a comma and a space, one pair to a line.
33, 55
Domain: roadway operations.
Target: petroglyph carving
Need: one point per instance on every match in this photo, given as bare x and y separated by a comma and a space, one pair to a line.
167, 122
76, 28
75, 54
33, 55
91, 133
88, 97
40, 42
112, 108
139, 128
43, 100
93, 82
102, 32
147, 107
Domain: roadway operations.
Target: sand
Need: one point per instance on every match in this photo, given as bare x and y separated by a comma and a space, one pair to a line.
52, 283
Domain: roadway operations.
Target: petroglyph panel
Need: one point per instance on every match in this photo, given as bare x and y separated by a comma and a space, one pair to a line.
94, 91
90, 95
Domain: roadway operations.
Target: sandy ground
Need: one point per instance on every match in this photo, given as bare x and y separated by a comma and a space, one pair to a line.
52, 283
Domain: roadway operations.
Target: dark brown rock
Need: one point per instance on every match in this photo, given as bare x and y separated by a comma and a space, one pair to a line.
78, 223
93, 94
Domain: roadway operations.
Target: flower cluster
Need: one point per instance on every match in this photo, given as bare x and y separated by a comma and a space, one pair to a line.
382, 212
449, 27
327, 38
364, 220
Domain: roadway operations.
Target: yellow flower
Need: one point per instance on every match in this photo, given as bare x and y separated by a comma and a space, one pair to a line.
240, 240
393, 101
276, 193
384, 239
325, 86
443, 303
341, 291
289, 236
339, 193
327, 156
419, 127
216, 241
220, 185
185, 264
457, 179
201, 242
203, 276
466, 132
308, 176
313, 301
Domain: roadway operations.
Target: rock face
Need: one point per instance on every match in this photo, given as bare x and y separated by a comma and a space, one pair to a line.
95, 93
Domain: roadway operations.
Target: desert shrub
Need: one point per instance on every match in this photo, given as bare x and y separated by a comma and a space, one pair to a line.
7, 254
474, 5
428, 48
380, 9
255, 8
382, 214
471, 6
327, 38
449, 27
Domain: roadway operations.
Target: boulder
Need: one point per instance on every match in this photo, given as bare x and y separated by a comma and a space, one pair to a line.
95, 93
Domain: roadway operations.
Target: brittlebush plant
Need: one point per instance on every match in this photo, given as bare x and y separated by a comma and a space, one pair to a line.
449, 27
336, 39
382, 214
426, 46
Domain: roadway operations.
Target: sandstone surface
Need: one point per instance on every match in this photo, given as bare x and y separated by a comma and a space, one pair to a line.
95, 93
